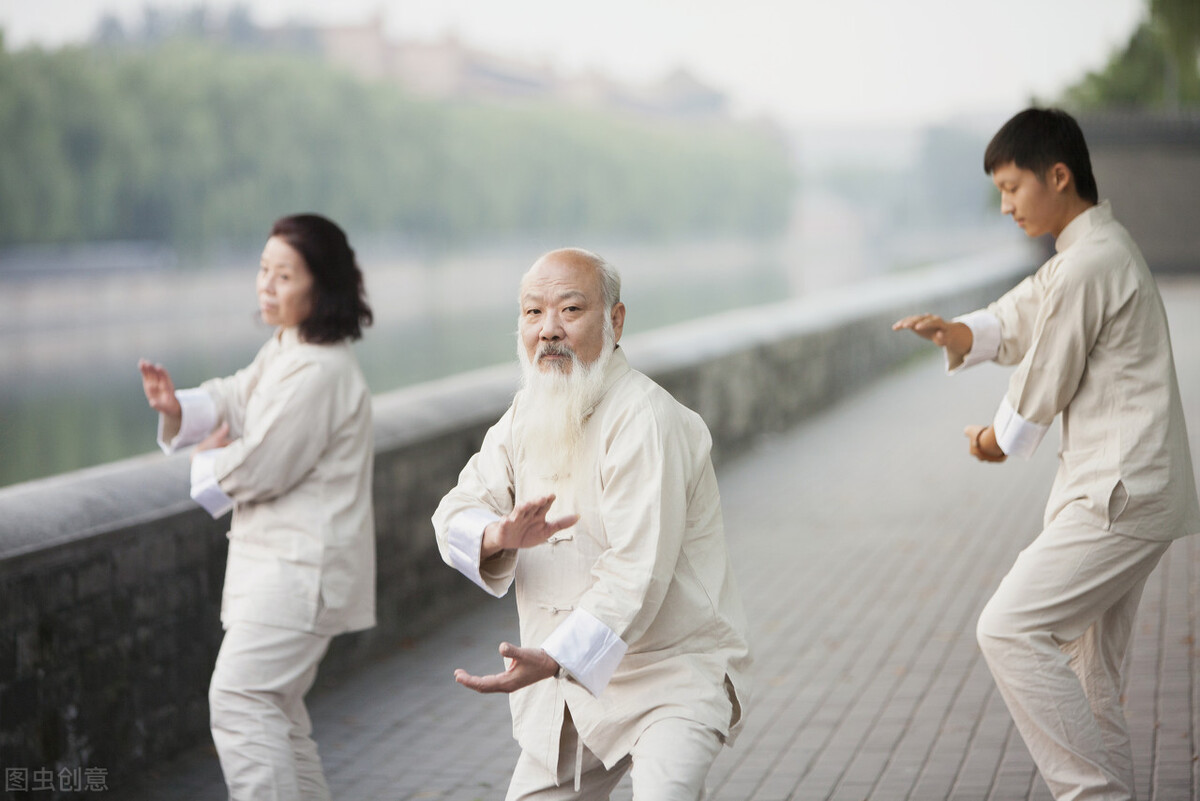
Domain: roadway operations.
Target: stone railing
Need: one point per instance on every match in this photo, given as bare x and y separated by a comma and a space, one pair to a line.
110, 578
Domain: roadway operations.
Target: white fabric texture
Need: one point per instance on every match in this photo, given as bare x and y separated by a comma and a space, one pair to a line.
669, 762
1080, 586
206, 491
589, 650
464, 542
198, 417
985, 340
1015, 435
260, 725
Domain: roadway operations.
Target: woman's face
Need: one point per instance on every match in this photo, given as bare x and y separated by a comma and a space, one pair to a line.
285, 285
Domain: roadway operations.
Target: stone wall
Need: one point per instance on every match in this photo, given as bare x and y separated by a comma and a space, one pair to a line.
111, 578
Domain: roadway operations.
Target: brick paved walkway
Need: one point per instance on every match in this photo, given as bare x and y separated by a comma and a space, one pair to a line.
865, 543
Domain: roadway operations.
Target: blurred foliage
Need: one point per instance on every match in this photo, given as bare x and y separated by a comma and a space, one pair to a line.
195, 143
1158, 69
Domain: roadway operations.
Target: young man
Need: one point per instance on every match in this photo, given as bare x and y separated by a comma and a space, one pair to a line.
1088, 335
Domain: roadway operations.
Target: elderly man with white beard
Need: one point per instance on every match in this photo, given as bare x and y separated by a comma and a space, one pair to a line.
633, 655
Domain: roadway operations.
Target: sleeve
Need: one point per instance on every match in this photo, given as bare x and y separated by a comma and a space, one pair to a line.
485, 492
1015, 435
644, 510
1069, 318
587, 649
205, 489
985, 340
199, 418
230, 395
1016, 311
293, 421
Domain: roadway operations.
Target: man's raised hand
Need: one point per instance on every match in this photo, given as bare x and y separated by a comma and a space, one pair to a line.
525, 527
954, 337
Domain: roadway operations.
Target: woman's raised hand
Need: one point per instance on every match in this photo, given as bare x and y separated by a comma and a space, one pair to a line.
159, 389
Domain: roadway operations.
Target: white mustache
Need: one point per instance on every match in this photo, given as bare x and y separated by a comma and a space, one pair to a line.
555, 349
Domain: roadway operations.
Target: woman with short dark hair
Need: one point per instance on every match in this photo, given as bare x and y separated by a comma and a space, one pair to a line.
286, 444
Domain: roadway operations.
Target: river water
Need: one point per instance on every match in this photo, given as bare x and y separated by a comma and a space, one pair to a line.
70, 394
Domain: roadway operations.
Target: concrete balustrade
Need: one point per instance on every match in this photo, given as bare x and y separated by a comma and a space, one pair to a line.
110, 578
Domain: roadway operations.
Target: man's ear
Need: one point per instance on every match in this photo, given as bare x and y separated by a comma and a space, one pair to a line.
1059, 177
618, 320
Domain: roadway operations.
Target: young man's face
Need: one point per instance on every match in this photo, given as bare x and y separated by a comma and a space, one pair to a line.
1035, 203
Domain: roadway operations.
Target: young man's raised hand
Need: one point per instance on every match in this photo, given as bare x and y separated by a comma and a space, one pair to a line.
954, 337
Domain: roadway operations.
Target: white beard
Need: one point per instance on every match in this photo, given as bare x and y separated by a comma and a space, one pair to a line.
556, 405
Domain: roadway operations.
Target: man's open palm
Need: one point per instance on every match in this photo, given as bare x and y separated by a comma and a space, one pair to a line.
525, 666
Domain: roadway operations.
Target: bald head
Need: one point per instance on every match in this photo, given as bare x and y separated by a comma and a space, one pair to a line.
587, 261
568, 297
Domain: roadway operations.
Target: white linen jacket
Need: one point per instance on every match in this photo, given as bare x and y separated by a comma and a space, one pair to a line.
637, 600
298, 476
1089, 336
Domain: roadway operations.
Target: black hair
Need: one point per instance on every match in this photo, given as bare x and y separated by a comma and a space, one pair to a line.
1038, 138
339, 300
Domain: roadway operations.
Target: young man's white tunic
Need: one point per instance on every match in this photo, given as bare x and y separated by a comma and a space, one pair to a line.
1089, 337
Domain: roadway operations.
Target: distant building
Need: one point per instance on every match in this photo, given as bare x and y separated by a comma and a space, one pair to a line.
361, 48
681, 94
448, 69
441, 69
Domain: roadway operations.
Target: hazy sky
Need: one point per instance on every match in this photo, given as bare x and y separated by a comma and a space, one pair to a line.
805, 62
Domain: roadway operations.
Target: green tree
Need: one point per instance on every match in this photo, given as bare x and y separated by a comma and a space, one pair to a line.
1177, 23
197, 144
1156, 69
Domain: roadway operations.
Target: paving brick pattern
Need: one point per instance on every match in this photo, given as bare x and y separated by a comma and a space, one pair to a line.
865, 542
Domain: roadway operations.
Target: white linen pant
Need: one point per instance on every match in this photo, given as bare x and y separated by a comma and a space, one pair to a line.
259, 723
668, 763
1054, 636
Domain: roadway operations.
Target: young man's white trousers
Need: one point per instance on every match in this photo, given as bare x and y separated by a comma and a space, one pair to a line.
259, 722
668, 763
1054, 636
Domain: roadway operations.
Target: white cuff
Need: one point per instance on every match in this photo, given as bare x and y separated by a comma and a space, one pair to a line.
205, 489
1015, 435
199, 418
464, 539
589, 650
985, 339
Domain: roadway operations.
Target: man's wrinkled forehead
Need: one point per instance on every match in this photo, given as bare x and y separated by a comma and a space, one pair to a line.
560, 277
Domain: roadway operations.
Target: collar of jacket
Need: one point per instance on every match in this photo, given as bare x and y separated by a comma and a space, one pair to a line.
288, 337
1084, 222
